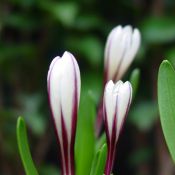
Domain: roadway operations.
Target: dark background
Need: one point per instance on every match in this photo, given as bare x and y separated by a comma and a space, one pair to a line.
33, 32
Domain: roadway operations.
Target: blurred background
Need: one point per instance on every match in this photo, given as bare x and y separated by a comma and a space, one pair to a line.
33, 32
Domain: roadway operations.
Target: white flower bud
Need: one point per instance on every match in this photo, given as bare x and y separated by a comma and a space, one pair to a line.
121, 47
116, 103
63, 83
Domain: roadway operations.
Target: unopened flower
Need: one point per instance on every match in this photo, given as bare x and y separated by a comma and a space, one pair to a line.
63, 83
121, 47
116, 103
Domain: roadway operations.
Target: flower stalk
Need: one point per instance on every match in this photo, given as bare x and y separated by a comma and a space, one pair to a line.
63, 84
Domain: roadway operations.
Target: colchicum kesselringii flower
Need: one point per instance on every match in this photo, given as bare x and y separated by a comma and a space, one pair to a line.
116, 103
121, 47
63, 83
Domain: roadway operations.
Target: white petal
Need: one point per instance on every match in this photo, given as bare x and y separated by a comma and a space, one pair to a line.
51, 66
114, 51
71, 72
54, 82
123, 102
130, 52
115, 31
77, 72
116, 88
109, 103
127, 29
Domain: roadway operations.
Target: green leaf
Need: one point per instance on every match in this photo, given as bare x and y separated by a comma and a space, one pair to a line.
98, 164
85, 137
33, 117
144, 114
24, 148
64, 12
17, 51
134, 79
166, 101
101, 141
88, 22
140, 156
21, 21
158, 29
48, 169
89, 47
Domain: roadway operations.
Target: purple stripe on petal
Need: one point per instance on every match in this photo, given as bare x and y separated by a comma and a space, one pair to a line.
106, 123
111, 148
65, 144
74, 118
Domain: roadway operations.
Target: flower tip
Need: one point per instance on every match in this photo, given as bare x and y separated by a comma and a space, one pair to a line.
128, 86
128, 27
51, 66
137, 36
109, 85
66, 54
110, 82
119, 81
119, 27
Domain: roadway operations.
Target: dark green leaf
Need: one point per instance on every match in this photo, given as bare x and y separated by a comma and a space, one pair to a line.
64, 12
158, 29
17, 51
49, 170
170, 54
89, 47
134, 79
144, 114
140, 156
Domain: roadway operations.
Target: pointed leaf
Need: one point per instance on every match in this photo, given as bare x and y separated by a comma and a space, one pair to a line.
99, 161
101, 141
166, 100
134, 79
24, 148
85, 137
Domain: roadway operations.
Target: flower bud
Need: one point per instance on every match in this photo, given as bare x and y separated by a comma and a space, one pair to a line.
63, 83
116, 103
121, 47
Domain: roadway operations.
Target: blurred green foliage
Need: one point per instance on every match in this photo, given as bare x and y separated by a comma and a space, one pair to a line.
33, 32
